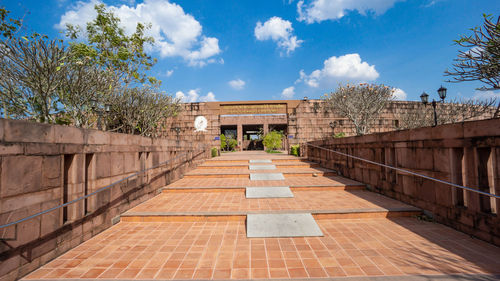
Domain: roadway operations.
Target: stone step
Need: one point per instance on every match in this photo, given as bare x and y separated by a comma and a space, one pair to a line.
240, 166
247, 161
247, 174
331, 181
242, 216
201, 189
235, 203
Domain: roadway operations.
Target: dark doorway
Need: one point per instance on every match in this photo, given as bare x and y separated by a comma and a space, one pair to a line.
278, 127
251, 137
230, 131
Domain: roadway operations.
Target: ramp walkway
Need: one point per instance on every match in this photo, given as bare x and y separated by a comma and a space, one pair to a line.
228, 220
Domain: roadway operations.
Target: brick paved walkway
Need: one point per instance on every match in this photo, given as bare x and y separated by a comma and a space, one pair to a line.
401, 247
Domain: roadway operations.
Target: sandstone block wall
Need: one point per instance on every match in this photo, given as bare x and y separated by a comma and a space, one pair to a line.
306, 120
464, 153
42, 166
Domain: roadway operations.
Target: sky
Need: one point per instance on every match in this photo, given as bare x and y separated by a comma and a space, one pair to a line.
229, 50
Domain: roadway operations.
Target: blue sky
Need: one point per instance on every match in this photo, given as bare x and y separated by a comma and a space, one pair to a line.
281, 49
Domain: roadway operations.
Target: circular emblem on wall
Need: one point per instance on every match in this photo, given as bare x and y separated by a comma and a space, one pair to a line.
200, 123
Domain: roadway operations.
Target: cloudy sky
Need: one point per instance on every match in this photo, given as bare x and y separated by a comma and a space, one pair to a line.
286, 49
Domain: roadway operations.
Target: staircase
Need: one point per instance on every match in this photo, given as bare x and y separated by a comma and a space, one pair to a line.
253, 215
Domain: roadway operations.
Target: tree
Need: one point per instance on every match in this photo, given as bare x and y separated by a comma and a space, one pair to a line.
139, 111
272, 140
82, 90
8, 26
451, 112
106, 44
32, 70
481, 59
361, 104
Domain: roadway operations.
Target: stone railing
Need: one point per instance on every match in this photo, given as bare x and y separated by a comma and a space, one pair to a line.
44, 166
467, 154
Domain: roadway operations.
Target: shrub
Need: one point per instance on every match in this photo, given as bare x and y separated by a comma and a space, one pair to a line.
223, 143
295, 150
231, 144
272, 140
214, 152
339, 135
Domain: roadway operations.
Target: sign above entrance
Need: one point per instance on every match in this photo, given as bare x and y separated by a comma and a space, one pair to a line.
240, 109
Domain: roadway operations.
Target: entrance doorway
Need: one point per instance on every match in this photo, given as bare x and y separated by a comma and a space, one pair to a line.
251, 137
230, 131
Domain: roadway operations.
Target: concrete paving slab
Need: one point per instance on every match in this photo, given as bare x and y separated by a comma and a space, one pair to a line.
282, 225
262, 167
253, 161
269, 192
267, 177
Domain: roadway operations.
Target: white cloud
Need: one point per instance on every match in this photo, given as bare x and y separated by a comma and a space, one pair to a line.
237, 84
398, 94
209, 97
279, 31
346, 68
321, 10
194, 96
169, 73
288, 93
486, 95
176, 33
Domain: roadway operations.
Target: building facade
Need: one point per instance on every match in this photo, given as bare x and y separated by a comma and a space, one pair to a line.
298, 120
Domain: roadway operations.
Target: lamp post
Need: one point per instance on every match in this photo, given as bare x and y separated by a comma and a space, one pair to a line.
97, 108
333, 124
424, 97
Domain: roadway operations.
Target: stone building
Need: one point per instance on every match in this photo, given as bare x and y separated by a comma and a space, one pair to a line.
299, 120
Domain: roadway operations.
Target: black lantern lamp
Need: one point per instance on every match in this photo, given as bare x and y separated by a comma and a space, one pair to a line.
442, 93
93, 103
425, 98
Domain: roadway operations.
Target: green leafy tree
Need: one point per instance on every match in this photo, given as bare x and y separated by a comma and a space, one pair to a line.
273, 140
8, 26
106, 44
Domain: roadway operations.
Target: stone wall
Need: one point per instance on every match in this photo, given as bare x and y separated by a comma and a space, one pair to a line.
43, 166
464, 153
311, 121
181, 127
307, 120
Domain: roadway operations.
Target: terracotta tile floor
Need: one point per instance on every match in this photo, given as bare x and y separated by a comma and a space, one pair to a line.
248, 171
248, 155
292, 181
220, 250
245, 165
236, 201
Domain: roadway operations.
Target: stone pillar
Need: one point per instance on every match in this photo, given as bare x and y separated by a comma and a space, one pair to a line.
239, 136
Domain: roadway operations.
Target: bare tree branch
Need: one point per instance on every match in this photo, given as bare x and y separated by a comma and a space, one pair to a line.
361, 104
481, 59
